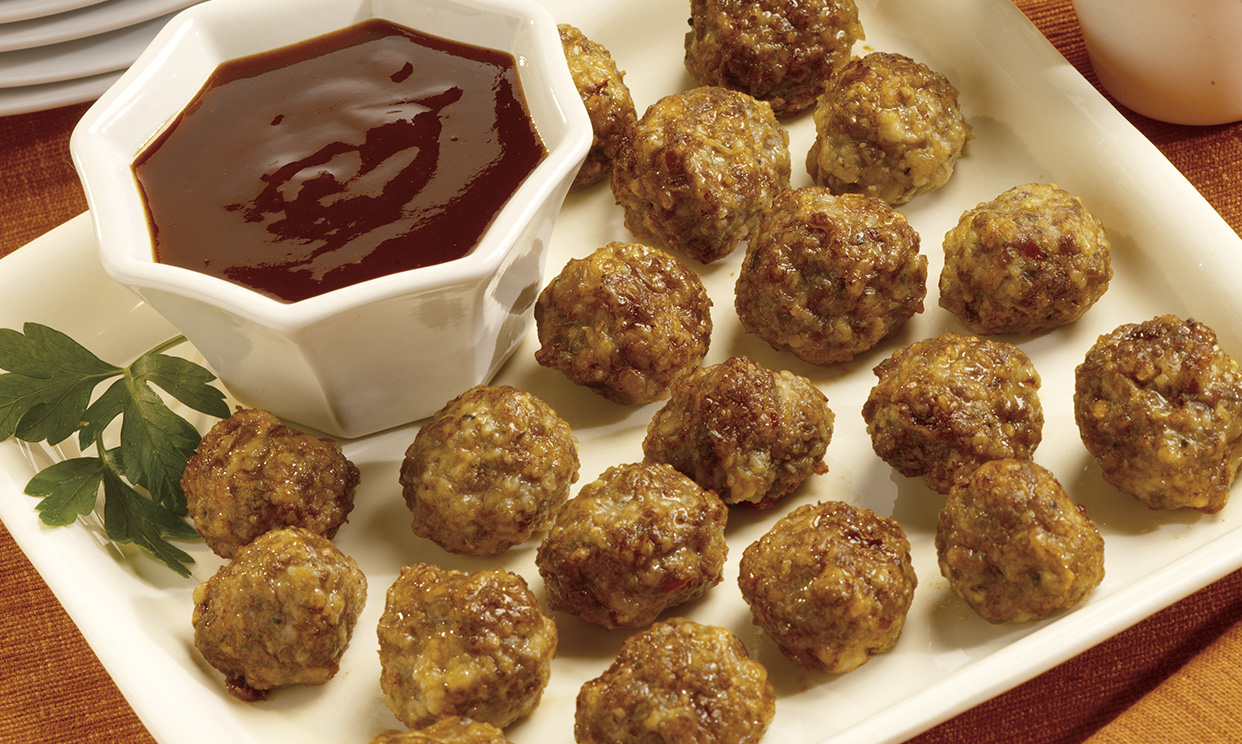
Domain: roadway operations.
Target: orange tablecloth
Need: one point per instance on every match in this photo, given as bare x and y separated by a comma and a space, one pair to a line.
1172, 678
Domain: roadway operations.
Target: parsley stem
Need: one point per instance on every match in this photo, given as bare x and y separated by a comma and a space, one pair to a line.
170, 343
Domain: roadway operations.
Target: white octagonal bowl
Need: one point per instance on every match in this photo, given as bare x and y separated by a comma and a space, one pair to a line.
380, 353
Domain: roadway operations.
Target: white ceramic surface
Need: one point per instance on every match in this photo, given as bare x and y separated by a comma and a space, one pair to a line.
88, 21
12, 11
28, 98
383, 352
1035, 119
1178, 61
78, 58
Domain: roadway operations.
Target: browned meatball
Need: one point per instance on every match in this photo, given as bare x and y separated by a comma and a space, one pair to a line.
251, 474
946, 405
827, 277
889, 127
1159, 405
749, 434
1030, 260
453, 643
606, 97
830, 583
699, 170
627, 322
638, 540
777, 51
488, 470
280, 613
454, 730
1013, 545
678, 682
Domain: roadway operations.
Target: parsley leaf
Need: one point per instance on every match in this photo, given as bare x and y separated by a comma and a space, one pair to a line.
46, 396
69, 488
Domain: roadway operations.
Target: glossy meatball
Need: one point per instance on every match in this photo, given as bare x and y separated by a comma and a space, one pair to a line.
1029, 261
488, 470
678, 682
251, 474
827, 277
888, 127
280, 613
453, 643
830, 583
699, 170
640, 539
1159, 405
453, 730
777, 51
606, 98
747, 433
627, 322
946, 405
1013, 545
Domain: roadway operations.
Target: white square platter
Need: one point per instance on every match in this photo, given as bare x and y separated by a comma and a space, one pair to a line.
1035, 119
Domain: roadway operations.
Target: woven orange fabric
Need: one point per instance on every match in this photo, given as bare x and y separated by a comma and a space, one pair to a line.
1201, 703
41, 188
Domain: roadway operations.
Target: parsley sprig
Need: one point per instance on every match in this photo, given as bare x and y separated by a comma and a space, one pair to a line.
47, 395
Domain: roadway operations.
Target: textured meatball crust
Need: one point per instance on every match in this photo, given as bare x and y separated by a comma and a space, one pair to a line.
453, 643
488, 470
678, 682
1031, 260
251, 474
945, 405
777, 51
638, 540
699, 170
749, 434
452, 730
831, 584
1014, 546
282, 612
1159, 405
607, 100
888, 127
627, 322
827, 277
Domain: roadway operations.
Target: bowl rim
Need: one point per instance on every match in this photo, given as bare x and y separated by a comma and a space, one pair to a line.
106, 174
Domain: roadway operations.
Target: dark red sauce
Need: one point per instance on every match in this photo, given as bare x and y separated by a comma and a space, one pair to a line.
357, 154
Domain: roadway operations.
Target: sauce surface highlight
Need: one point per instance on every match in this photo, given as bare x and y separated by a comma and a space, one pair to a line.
361, 153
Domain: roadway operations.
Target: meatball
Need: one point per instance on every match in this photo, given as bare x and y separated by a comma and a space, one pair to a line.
280, 613
606, 98
699, 170
831, 584
251, 474
946, 405
678, 682
453, 730
453, 643
888, 127
747, 433
826, 277
640, 539
488, 470
627, 322
777, 51
1029, 261
1159, 405
1013, 545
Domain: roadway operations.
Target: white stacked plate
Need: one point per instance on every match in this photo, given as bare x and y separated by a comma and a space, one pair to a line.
59, 52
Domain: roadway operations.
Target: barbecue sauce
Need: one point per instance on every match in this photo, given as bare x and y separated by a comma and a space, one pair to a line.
361, 153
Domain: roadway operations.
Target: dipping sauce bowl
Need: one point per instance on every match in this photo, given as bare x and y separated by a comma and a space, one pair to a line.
374, 354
